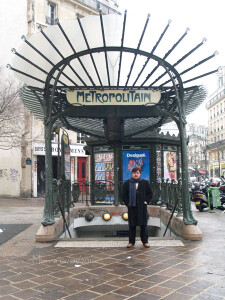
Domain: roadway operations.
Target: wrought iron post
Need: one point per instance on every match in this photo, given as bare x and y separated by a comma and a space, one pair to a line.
48, 217
58, 157
187, 213
116, 151
62, 158
178, 163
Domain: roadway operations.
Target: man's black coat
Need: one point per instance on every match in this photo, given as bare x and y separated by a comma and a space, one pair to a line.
138, 214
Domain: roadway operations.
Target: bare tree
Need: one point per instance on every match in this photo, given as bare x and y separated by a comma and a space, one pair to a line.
11, 113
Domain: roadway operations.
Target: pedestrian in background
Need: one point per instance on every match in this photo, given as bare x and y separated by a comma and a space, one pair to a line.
136, 194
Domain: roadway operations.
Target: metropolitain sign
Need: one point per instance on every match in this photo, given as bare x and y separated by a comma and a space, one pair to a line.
113, 97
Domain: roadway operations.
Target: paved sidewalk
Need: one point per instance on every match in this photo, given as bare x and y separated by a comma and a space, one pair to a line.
30, 270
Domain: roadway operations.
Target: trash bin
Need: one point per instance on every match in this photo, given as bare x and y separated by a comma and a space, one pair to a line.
214, 192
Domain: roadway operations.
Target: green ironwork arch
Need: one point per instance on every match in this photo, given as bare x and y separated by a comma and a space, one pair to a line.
49, 91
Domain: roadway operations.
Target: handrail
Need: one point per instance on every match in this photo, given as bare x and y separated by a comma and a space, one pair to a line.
64, 219
62, 200
171, 216
175, 199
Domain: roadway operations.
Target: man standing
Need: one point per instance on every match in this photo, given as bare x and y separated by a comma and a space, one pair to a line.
136, 194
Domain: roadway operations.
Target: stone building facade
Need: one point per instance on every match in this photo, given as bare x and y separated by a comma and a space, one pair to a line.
216, 125
197, 153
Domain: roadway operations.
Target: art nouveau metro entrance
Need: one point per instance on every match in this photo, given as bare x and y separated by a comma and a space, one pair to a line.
96, 76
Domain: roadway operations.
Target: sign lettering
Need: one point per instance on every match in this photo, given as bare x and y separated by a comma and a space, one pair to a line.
111, 97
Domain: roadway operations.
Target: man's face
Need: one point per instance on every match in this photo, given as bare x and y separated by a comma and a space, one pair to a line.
136, 175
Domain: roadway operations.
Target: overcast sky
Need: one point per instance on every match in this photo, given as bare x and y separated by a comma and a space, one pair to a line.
205, 18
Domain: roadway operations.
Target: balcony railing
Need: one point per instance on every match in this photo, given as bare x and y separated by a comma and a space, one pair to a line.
215, 98
99, 5
50, 21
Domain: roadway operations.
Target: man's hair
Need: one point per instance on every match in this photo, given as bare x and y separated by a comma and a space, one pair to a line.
135, 169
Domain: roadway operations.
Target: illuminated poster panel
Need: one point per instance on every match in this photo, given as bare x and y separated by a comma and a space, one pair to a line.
170, 165
136, 158
104, 168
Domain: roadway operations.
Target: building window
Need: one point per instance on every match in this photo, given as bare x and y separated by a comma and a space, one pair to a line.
83, 169
223, 154
220, 81
98, 5
53, 135
51, 13
81, 138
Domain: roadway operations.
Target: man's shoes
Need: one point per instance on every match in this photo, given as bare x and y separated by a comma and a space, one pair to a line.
130, 245
146, 245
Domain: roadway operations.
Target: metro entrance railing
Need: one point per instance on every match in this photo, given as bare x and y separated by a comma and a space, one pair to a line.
85, 193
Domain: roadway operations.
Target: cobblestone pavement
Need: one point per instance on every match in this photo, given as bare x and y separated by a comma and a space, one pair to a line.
30, 270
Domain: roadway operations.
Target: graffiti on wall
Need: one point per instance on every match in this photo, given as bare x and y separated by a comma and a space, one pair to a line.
12, 174
3, 174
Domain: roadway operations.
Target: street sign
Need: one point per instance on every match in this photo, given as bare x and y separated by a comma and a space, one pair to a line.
113, 97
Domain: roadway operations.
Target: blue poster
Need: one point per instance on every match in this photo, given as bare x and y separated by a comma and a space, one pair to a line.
139, 158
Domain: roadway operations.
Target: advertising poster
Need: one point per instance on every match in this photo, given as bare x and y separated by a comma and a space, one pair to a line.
99, 176
67, 164
139, 158
170, 165
104, 168
72, 168
180, 164
158, 165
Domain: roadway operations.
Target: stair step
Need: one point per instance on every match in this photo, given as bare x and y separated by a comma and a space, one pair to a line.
115, 243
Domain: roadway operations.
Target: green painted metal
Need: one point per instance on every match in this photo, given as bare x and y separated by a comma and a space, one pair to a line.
215, 194
48, 217
65, 115
170, 194
116, 151
156, 193
181, 123
187, 212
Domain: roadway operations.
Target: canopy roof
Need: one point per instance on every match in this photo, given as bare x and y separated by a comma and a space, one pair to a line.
105, 52
94, 125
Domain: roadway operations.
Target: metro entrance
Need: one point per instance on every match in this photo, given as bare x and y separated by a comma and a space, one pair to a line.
94, 80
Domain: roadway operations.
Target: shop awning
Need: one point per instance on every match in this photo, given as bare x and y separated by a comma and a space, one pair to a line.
201, 172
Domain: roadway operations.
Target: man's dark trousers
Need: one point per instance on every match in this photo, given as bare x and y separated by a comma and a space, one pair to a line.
143, 234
